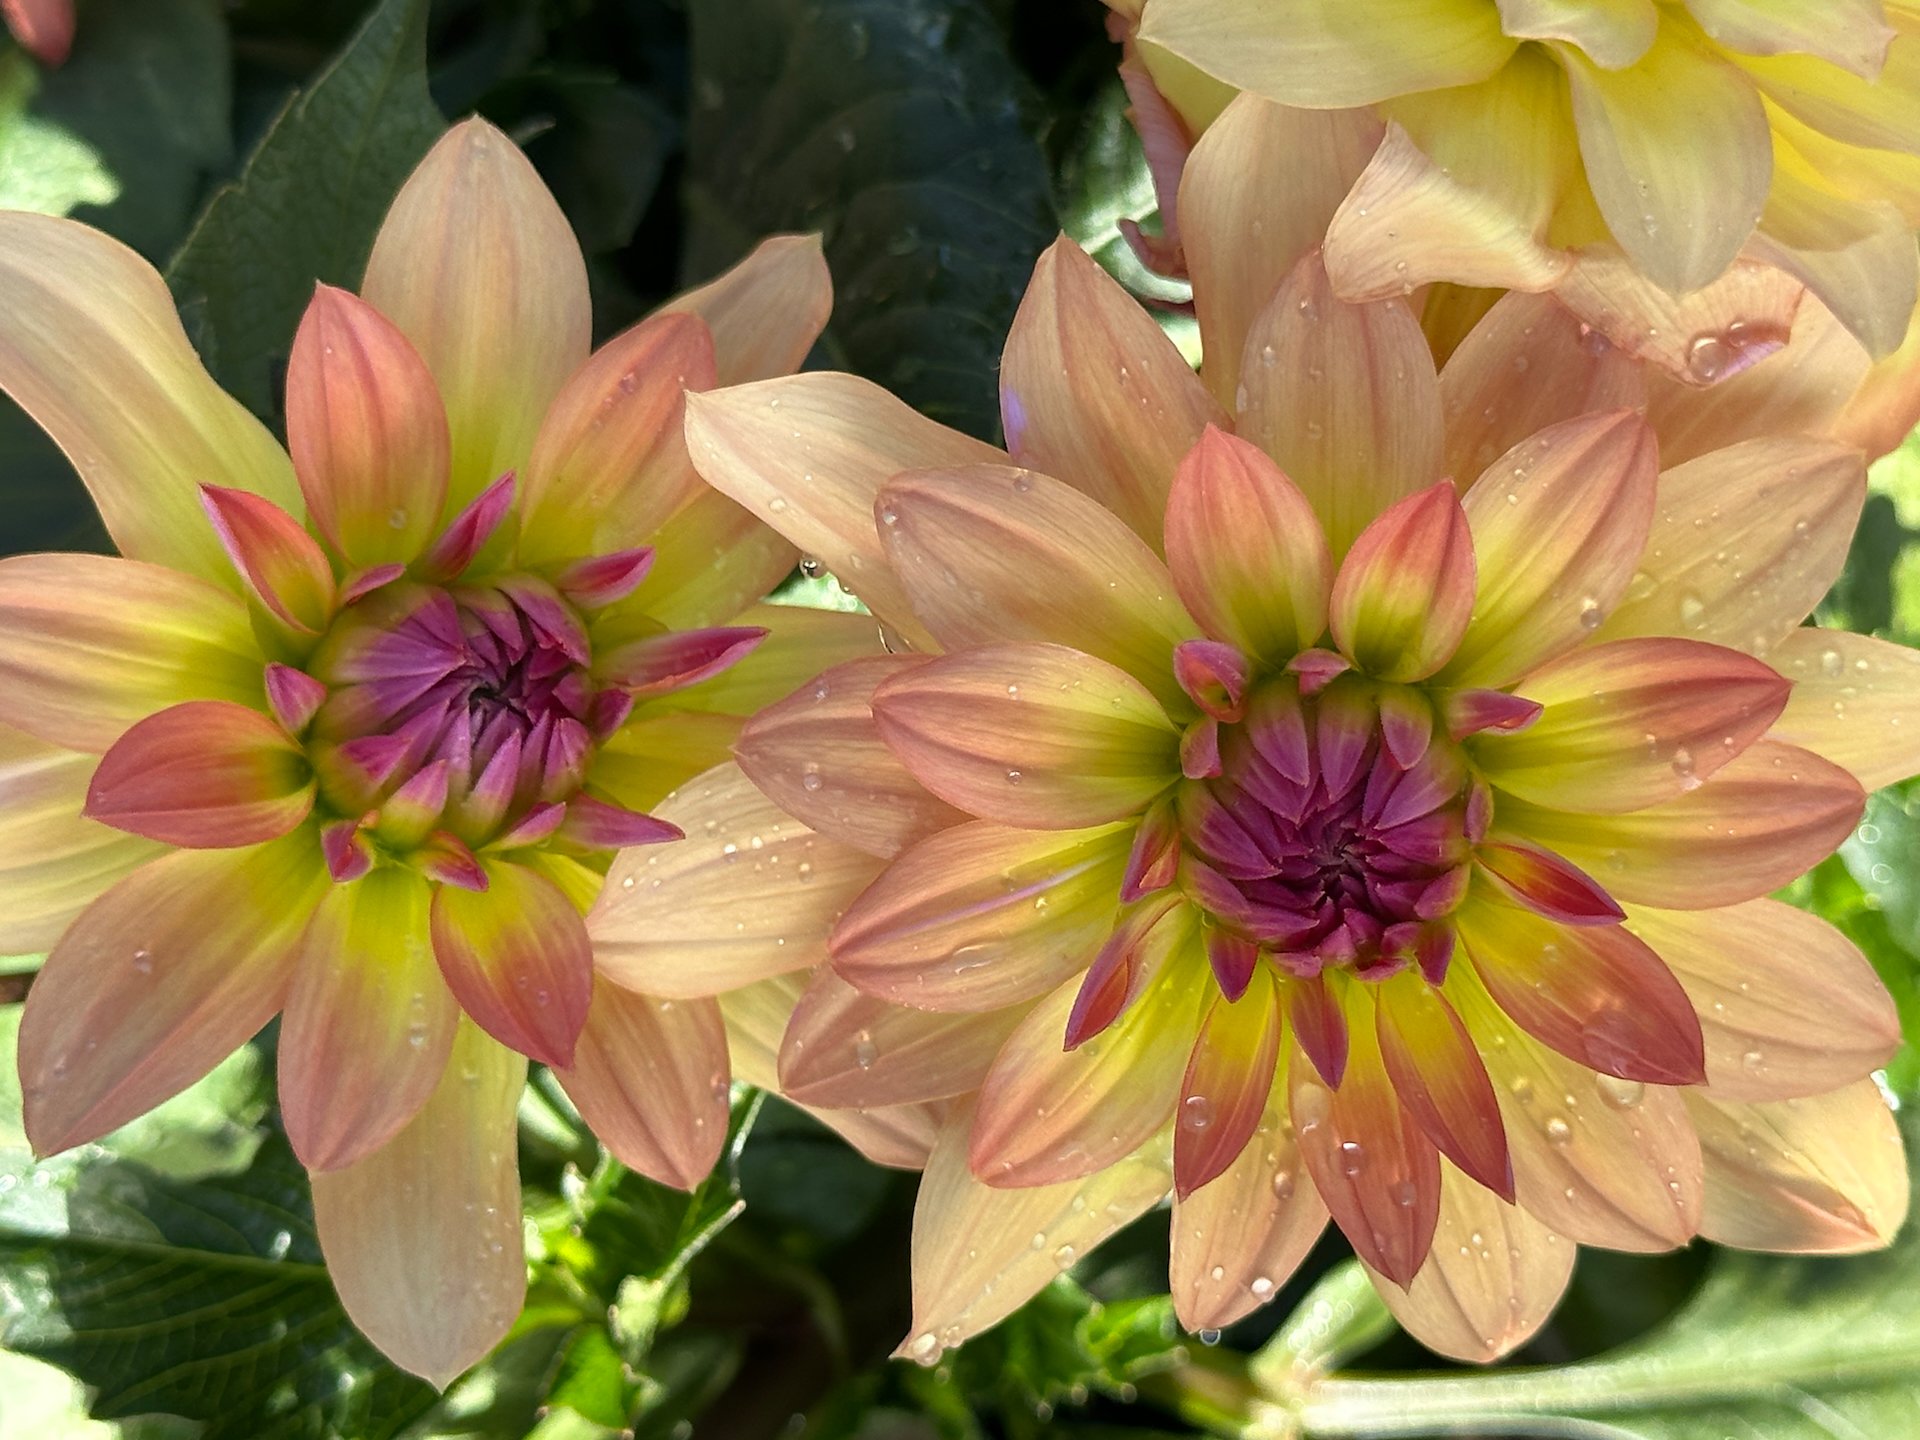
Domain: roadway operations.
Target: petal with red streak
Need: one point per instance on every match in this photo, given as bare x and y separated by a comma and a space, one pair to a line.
1440, 1081
1405, 591
1229, 1075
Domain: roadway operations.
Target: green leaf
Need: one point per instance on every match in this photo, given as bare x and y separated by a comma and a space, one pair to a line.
895, 127
308, 203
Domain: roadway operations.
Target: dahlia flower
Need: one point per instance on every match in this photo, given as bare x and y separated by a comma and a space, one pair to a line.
1522, 133
351, 732
43, 28
1328, 787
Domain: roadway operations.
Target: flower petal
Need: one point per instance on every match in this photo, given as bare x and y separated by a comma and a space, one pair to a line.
1615, 33
422, 1238
282, 564
43, 28
367, 431
158, 981
1853, 34
958, 922
766, 312
1343, 397
1229, 1076
1704, 337
1788, 1005
1852, 699
478, 267
1823, 1175
712, 560
750, 893
800, 644
1405, 591
91, 644
517, 958
94, 352
1440, 1081
650, 1078
369, 1021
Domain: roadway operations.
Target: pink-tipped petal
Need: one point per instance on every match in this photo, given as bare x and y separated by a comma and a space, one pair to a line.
1319, 1026
1137, 946
1440, 1080
1404, 593
1234, 960
467, 533
1214, 675
604, 579
1224, 1093
280, 562
44, 28
1154, 860
1468, 712
1546, 883
601, 826
206, 775
294, 697
676, 659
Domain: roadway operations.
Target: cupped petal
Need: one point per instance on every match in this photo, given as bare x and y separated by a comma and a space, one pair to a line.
1853, 701
1762, 821
1344, 397
1030, 559
1597, 994
94, 352
1631, 723
1788, 1005
478, 267
206, 774
1613, 33
1495, 1274
1679, 156
750, 893
517, 958
1245, 550
1094, 393
766, 312
1223, 1096
1559, 524
1032, 735
981, 1252
807, 454
610, 463
1440, 1081
158, 981
1405, 591
1819, 1175
90, 644
1241, 239
983, 915
1330, 53
819, 756
1852, 34
422, 1237
367, 431
1702, 338
651, 1080
369, 1021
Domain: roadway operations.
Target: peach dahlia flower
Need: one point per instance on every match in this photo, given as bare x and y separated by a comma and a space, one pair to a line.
1274, 818
352, 737
1525, 132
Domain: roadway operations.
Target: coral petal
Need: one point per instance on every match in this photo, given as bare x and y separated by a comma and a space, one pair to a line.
208, 774
518, 959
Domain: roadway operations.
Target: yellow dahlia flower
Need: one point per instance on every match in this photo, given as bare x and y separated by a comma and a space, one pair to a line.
350, 734
1329, 787
1523, 132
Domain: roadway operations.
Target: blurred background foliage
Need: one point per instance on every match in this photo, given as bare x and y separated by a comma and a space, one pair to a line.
166, 1282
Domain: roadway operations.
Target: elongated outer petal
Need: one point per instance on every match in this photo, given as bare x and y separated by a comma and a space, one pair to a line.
1035, 560
1762, 821
1853, 34
844, 1048
1245, 550
1237, 1239
367, 431
1853, 702
1093, 392
1241, 239
1614, 33
422, 1238
1033, 735
650, 1078
517, 958
89, 644
819, 756
1744, 542
1328, 53
1823, 1175
207, 774
1495, 1274
1632, 723
981, 1252
94, 352
1344, 397
1045, 1113
1404, 594
476, 264
158, 981
1602, 1161
610, 462
1229, 1075
1788, 1005
957, 923
369, 1021
807, 454
766, 312
750, 892
53, 861
1440, 1081
1595, 993
1559, 525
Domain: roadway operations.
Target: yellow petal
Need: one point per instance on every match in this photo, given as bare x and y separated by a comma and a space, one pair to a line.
712, 560
1613, 33
1852, 34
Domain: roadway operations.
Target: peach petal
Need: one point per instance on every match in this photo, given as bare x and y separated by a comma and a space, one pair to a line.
1545, 883
1853, 34
1703, 338
1404, 594
206, 774
766, 312
1853, 701
1440, 1081
158, 981
422, 1237
280, 562
1229, 1075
